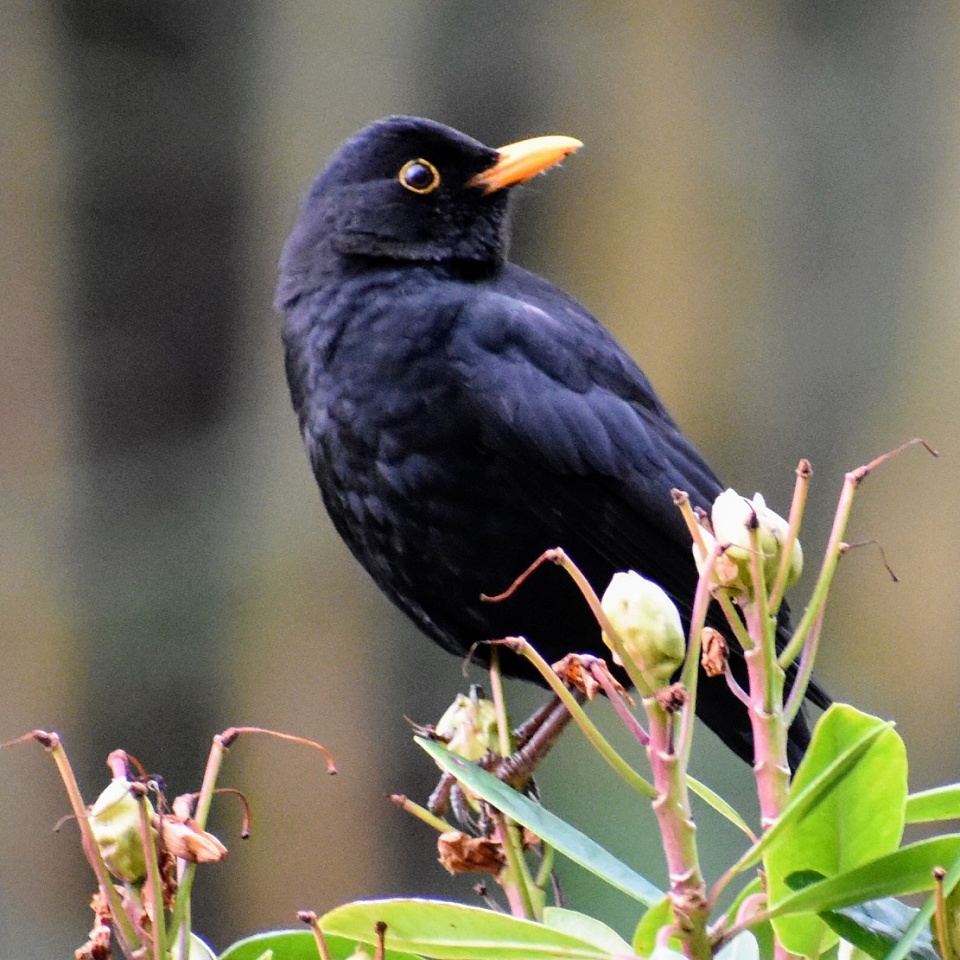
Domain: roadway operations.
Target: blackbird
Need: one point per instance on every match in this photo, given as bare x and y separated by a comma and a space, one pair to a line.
463, 415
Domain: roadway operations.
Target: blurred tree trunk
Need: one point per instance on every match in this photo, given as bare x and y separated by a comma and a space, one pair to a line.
154, 190
39, 917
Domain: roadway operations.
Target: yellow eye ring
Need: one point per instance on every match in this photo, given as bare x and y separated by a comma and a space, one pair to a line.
419, 175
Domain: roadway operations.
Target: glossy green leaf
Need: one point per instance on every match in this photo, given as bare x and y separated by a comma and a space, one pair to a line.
874, 945
906, 871
921, 921
454, 931
278, 944
858, 818
660, 915
763, 931
875, 927
586, 928
713, 799
560, 835
940, 803
296, 944
803, 801
920, 925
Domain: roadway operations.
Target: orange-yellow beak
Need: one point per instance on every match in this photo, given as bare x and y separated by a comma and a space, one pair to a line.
520, 161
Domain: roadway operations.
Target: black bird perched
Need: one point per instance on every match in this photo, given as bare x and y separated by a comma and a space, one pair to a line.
463, 415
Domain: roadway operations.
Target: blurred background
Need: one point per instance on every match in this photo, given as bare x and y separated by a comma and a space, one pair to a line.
767, 214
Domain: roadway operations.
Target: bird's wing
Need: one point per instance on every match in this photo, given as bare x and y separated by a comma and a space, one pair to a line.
578, 432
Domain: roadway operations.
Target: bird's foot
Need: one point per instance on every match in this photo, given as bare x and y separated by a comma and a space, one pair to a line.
533, 739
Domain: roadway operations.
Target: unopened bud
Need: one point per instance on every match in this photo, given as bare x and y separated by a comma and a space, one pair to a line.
648, 623
733, 517
726, 572
469, 726
115, 825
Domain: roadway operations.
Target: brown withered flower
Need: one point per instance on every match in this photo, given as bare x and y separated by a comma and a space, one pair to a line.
461, 853
713, 657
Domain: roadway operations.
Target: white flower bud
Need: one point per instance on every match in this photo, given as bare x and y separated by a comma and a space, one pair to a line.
725, 569
732, 515
115, 825
649, 625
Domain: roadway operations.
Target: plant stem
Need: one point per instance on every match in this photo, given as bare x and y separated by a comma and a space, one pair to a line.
516, 880
688, 892
797, 507
505, 744
690, 673
180, 920
836, 548
421, 813
765, 690
726, 604
804, 672
587, 726
126, 934
511, 835
831, 557
153, 887
601, 674
762, 627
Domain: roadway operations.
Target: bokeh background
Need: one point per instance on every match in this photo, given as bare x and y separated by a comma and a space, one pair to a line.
767, 213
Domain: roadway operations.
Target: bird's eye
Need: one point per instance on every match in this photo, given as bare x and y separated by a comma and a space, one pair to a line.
420, 176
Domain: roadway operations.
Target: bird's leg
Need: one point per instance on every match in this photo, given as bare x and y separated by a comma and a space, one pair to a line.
534, 739
523, 733
439, 800
448, 796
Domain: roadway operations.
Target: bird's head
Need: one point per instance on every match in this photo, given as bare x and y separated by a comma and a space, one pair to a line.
408, 189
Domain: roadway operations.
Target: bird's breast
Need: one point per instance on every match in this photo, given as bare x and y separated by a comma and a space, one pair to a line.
418, 495
387, 424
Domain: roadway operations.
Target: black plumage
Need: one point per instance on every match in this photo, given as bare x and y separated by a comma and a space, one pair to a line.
462, 415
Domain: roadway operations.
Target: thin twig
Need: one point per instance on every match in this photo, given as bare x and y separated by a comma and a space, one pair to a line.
798, 505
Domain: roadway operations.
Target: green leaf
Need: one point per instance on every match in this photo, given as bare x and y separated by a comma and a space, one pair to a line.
454, 931
920, 925
940, 803
906, 871
763, 930
920, 922
873, 944
859, 817
296, 945
875, 927
802, 802
278, 944
586, 928
551, 829
660, 915
714, 799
